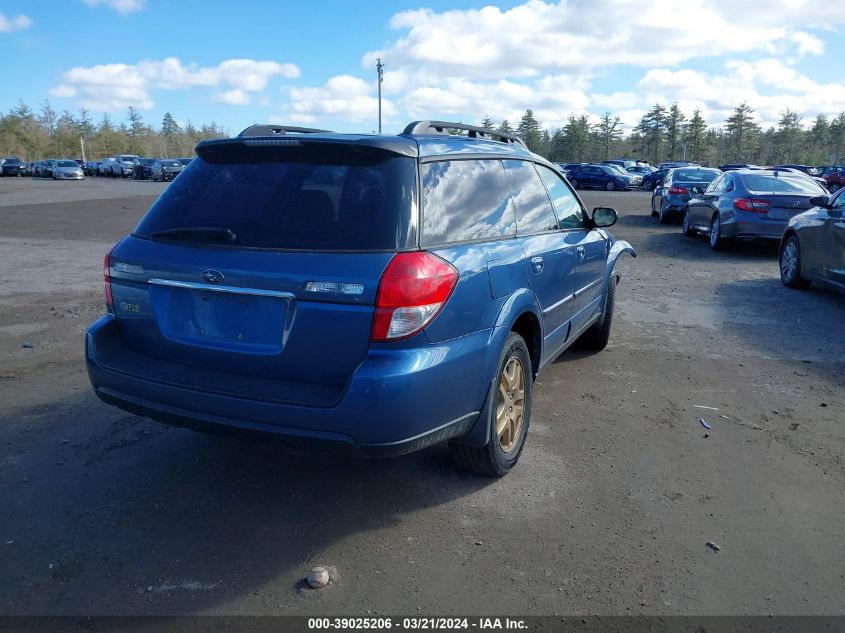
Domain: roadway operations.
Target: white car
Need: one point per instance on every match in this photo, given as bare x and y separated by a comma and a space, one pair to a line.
122, 166
67, 170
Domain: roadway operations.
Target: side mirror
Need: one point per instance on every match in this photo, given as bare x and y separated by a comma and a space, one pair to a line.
604, 217
820, 201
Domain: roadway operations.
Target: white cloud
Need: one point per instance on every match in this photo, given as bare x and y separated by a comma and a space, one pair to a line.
341, 97
17, 23
233, 97
537, 37
545, 56
121, 6
768, 85
112, 87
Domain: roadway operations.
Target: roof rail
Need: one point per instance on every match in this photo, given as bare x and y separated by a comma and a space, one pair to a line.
277, 130
473, 131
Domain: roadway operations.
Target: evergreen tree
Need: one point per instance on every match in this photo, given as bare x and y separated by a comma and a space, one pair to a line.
488, 122
694, 136
741, 132
674, 131
529, 130
505, 127
609, 131
788, 137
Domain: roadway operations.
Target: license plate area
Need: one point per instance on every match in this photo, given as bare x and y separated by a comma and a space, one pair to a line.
222, 319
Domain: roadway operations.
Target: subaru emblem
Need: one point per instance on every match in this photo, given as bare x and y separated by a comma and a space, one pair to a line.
212, 276
796, 203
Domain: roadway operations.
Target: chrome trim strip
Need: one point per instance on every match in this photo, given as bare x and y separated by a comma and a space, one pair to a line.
558, 304
578, 293
228, 289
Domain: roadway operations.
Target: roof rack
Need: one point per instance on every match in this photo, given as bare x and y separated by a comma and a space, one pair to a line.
473, 131
277, 130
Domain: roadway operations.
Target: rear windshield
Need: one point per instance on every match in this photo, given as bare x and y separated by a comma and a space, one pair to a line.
334, 199
764, 183
695, 175
67, 163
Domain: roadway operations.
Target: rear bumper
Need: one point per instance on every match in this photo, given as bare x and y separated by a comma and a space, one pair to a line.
397, 401
739, 229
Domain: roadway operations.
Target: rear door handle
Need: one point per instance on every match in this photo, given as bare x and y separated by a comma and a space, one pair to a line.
537, 264
580, 251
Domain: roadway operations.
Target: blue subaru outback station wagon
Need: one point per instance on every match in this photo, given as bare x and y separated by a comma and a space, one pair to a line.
378, 293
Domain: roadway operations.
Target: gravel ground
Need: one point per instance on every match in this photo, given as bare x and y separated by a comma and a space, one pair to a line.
608, 511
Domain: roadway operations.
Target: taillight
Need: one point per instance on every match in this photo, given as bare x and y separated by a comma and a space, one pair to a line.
752, 204
678, 190
107, 280
413, 289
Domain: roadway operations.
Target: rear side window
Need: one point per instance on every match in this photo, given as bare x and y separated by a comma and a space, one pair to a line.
570, 214
764, 183
465, 200
534, 213
293, 199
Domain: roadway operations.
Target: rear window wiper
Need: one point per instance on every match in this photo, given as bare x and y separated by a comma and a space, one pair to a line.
210, 233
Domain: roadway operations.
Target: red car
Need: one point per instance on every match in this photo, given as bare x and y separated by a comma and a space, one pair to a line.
835, 180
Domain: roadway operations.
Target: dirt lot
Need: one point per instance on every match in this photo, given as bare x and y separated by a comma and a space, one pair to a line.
608, 511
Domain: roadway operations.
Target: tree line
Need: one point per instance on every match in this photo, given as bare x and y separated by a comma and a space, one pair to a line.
667, 134
662, 134
35, 135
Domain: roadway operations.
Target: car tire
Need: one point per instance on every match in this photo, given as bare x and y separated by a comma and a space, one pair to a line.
717, 242
789, 263
648, 185
610, 186
663, 216
687, 228
504, 443
834, 187
574, 183
653, 210
598, 334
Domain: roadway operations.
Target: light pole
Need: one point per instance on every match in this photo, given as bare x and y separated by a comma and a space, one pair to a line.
380, 71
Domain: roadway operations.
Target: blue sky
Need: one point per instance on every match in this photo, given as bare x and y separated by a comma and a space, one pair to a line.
313, 63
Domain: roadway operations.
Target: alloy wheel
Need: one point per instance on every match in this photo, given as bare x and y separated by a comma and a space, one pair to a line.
789, 261
510, 406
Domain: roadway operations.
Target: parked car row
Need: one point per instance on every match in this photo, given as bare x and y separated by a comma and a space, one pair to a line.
784, 205
120, 166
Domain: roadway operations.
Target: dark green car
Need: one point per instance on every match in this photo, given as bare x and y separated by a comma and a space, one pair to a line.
813, 245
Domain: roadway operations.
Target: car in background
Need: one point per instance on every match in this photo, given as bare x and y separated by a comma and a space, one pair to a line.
142, 168
26, 169
641, 170
835, 179
670, 197
735, 166
824, 170
677, 163
47, 168
324, 290
749, 205
185, 161
606, 177
165, 169
67, 169
104, 167
122, 165
10, 166
810, 171
90, 168
650, 181
813, 246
